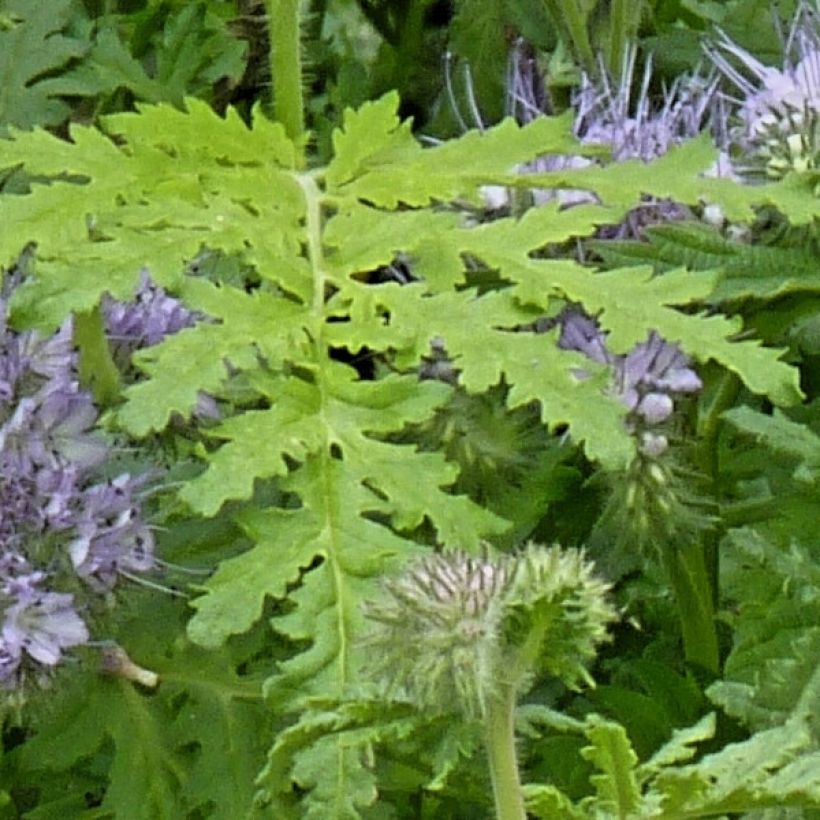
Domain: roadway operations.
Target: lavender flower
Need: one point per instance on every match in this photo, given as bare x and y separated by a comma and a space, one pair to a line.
772, 127
637, 129
607, 114
111, 537
41, 623
645, 380
51, 501
146, 320
36, 623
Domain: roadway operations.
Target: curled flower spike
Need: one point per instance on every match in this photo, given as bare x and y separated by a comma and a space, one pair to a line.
646, 379
53, 505
454, 631
771, 125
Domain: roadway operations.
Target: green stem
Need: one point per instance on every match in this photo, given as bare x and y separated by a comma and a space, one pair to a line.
98, 372
286, 67
687, 571
499, 739
624, 20
720, 398
570, 14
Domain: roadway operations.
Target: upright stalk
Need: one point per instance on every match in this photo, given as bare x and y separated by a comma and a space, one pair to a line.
721, 397
286, 67
499, 740
687, 571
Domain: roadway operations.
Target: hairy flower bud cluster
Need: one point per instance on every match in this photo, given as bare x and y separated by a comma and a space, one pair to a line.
453, 629
650, 507
57, 518
646, 379
444, 615
770, 125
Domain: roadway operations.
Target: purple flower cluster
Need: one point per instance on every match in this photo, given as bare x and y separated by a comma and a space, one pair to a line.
36, 623
57, 518
606, 113
144, 321
635, 128
646, 379
770, 125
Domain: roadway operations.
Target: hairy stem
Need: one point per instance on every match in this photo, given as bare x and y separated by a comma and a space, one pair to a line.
499, 739
687, 571
721, 398
286, 67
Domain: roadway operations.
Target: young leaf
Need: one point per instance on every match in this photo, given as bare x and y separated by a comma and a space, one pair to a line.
610, 751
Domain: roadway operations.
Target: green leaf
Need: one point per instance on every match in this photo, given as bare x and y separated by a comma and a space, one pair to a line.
680, 748
108, 67
797, 441
198, 740
192, 51
611, 753
768, 770
745, 271
774, 667
32, 46
302, 752
548, 802
680, 175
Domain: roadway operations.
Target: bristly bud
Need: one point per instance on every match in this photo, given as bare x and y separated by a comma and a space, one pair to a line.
437, 630
453, 629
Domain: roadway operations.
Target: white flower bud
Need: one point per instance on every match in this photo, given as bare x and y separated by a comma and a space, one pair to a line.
713, 214
656, 407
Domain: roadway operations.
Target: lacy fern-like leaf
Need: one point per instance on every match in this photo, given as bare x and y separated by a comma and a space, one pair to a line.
192, 51
781, 434
774, 666
746, 271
